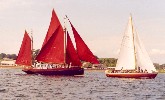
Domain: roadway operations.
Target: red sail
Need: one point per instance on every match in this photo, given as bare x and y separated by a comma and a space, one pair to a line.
53, 50
82, 49
71, 54
52, 27
25, 56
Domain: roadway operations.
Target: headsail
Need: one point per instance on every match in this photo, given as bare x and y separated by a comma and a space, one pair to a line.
53, 50
126, 59
25, 53
83, 51
71, 54
54, 23
143, 59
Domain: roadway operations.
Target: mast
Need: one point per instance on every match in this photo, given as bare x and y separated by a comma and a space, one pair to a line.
133, 35
72, 57
65, 39
32, 47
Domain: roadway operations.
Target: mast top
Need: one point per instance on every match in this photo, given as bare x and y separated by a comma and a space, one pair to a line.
130, 17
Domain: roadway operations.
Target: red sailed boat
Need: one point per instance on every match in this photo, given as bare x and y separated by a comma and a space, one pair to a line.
133, 60
58, 55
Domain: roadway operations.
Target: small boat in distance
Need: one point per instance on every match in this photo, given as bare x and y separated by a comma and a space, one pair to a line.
57, 55
133, 60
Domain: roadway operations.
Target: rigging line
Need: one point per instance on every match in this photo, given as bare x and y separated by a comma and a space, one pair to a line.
133, 35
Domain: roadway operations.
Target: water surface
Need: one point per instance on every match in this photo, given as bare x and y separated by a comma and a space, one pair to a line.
94, 85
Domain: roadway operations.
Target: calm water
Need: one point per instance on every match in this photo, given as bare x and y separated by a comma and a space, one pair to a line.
94, 85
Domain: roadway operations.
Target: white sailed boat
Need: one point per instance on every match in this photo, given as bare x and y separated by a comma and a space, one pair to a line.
133, 60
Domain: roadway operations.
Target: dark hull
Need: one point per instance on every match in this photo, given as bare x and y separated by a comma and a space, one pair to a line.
132, 75
55, 71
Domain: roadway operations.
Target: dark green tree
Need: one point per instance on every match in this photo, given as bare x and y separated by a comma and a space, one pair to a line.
13, 56
2, 55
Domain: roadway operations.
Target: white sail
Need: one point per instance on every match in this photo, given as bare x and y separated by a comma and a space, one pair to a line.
132, 52
143, 59
126, 59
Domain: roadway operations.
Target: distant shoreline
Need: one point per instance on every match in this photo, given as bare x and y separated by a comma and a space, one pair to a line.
88, 69
10, 67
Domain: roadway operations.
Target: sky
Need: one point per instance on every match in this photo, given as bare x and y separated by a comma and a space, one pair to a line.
101, 23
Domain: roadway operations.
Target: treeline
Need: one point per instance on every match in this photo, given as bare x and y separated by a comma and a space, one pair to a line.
9, 56
14, 56
106, 62
160, 68
111, 62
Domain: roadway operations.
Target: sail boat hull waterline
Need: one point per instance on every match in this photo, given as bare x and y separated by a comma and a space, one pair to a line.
55, 71
132, 75
133, 60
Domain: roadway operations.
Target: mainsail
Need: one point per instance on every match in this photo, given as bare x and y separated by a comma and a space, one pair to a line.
126, 59
54, 23
25, 53
83, 51
71, 54
53, 50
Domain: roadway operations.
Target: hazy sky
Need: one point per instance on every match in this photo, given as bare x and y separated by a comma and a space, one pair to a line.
101, 23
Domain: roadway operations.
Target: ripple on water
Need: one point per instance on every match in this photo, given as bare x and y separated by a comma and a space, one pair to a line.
94, 85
